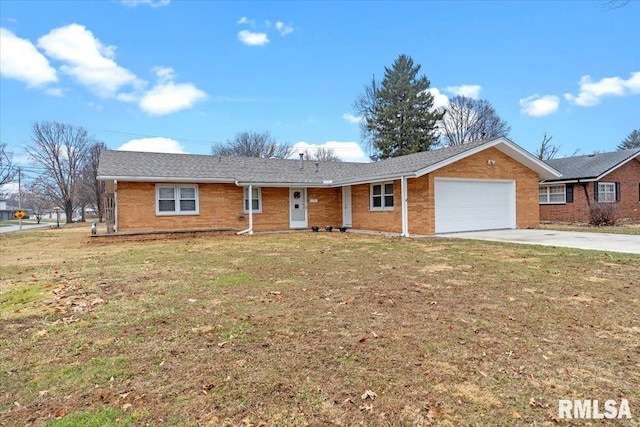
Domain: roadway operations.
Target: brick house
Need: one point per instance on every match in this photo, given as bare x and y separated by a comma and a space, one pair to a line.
587, 181
488, 184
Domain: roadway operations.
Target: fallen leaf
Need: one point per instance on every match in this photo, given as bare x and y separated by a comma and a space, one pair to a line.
368, 395
368, 408
361, 340
126, 406
59, 412
553, 417
516, 415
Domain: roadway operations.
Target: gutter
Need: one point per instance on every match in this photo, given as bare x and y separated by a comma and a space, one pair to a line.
249, 230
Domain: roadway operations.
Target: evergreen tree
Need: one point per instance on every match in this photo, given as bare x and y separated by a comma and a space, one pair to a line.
398, 114
631, 141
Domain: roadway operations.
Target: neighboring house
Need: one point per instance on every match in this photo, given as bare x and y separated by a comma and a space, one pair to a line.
612, 178
490, 184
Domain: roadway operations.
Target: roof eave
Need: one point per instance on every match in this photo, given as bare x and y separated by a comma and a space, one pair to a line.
163, 179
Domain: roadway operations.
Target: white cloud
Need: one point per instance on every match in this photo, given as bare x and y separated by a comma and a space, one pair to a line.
470, 91
284, 29
168, 97
347, 151
157, 144
351, 118
54, 91
253, 39
538, 106
591, 93
247, 21
439, 98
20, 60
87, 60
152, 3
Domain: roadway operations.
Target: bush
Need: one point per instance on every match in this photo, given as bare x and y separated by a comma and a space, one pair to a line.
602, 214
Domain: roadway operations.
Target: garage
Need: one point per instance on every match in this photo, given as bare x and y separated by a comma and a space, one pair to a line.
473, 205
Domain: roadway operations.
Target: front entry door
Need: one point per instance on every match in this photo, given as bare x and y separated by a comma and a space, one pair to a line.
298, 208
346, 206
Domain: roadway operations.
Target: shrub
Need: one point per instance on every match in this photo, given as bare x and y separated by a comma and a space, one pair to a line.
602, 214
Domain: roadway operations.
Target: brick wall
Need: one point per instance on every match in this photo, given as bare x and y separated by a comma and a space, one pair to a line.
421, 207
221, 206
628, 175
366, 219
527, 211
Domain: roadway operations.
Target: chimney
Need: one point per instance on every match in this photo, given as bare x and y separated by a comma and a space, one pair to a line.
317, 166
301, 160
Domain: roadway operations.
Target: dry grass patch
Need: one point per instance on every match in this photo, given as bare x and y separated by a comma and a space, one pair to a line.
297, 329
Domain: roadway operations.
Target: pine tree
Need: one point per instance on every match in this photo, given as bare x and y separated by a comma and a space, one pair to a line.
631, 141
398, 114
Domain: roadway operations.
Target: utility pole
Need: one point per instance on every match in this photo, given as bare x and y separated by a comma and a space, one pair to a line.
20, 196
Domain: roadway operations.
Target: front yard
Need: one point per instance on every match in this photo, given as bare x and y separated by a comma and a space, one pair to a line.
311, 329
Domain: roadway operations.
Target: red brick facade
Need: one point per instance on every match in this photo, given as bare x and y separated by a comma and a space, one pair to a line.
221, 205
628, 175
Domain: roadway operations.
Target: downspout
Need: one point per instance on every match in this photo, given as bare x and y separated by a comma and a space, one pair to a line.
405, 206
115, 208
250, 198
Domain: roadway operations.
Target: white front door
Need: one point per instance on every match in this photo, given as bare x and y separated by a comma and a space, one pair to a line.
346, 206
298, 208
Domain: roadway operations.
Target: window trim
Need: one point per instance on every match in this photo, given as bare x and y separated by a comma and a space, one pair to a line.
382, 196
548, 194
244, 200
601, 192
177, 210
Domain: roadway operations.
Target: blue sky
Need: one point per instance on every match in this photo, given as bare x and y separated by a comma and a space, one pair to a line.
177, 75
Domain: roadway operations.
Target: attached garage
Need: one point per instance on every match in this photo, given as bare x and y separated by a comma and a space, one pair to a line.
473, 205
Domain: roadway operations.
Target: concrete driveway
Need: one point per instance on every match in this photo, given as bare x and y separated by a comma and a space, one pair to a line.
624, 243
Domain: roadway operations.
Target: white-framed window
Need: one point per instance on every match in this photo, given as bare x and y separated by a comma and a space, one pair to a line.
607, 192
177, 200
256, 200
382, 196
552, 194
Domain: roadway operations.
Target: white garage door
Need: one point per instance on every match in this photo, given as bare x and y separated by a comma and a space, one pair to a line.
469, 205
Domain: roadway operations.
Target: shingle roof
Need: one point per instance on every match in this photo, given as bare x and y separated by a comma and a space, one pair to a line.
590, 166
165, 167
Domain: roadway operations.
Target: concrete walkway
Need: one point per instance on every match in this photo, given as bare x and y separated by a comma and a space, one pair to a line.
624, 243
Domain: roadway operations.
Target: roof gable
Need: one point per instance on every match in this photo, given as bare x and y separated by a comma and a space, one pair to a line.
591, 167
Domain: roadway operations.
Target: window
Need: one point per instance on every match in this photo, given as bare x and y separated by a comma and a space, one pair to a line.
177, 200
606, 192
256, 200
382, 196
550, 194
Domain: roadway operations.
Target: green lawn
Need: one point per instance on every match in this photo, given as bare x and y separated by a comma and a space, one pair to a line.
311, 329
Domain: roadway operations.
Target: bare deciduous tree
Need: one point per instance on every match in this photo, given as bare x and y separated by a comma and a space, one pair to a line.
252, 144
322, 154
61, 150
547, 150
92, 191
466, 120
36, 199
7, 171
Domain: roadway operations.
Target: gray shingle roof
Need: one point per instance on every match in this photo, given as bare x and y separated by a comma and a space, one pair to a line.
590, 166
164, 167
